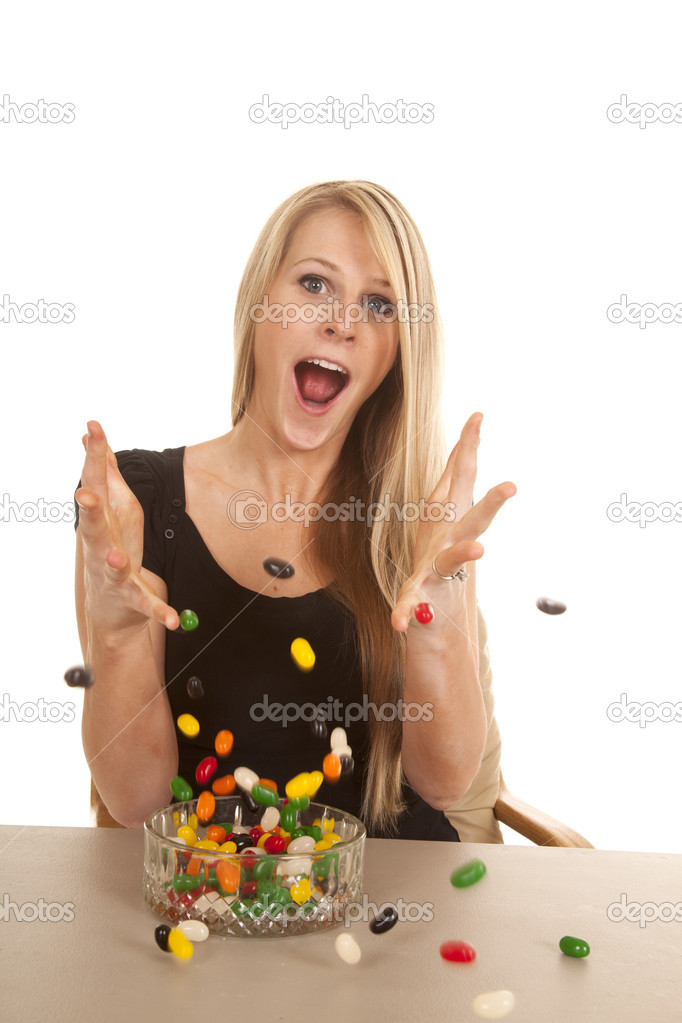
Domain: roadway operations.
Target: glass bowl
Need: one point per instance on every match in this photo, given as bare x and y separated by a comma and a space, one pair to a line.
260, 905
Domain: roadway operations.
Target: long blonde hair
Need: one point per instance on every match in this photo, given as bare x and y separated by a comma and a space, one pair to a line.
394, 451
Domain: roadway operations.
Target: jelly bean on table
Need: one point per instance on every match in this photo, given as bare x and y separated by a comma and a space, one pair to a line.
387, 918
179, 944
457, 951
493, 1004
348, 949
577, 948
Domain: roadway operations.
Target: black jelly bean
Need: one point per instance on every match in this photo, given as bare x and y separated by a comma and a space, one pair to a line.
278, 568
161, 936
319, 728
195, 688
79, 676
386, 919
241, 841
549, 606
347, 765
249, 803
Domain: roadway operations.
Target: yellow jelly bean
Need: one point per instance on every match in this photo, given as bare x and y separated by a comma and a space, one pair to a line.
189, 834
328, 825
303, 655
298, 786
228, 847
206, 843
300, 892
193, 821
323, 844
188, 725
331, 836
263, 839
176, 818
178, 943
316, 779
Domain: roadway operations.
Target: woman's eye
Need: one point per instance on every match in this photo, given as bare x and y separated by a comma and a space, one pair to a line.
313, 281
381, 306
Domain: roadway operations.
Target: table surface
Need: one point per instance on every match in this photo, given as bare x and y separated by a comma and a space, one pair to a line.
100, 961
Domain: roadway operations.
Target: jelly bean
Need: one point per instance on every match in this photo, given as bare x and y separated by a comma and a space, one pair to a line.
81, 677
230, 847
348, 949
316, 779
549, 606
224, 742
298, 786
216, 833
326, 865
331, 768
205, 807
299, 802
181, 789
245, 778
256, 833
574, 947
347, 765
303, 844
224, 786
300, 892
319, 728
493, 1004
260, 844
274, 844
270, 819
176, 818
229, 875
249, 889
188, 725
193, 821
195, 688
331, 836
315, 832
195, 930
206, 843
264, 868
469, 874
195, 865
188, 621
188, 834
423, 613
288, 815
323, 845
206, 769
280, 569
161, 936
342, 751
179, 944
383, 922
338, 738
457, 951
241, 841
269, 783
302, 654
185, 882
264, 795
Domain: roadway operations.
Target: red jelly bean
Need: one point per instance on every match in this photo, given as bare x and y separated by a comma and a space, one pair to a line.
256, 833
249, 889
274, 844
206, 769
457, 951
423, 613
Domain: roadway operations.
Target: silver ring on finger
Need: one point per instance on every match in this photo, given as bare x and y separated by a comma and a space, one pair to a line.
459, 574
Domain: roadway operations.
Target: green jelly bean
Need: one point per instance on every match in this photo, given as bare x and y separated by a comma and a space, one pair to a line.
264, 795
256, 909
241, 907
298, 833
469, 874
326, 865
300, 802
314, 831
181, 789
185, 882
574, 947
266, 889
188, 620
264, 868
212, 878
287, 817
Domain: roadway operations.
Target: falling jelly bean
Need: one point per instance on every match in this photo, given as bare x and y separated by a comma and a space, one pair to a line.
205, 807
348, 949
249, 803
549, 606
331, 768
195, 688
288, 817
469, 874
493, 1004
79, 676
264, 795
302, 654
245, 778
224, 786
319, 728
278, 568
387, 918
161, 936
574, 947
179, 944
457, 951
315, 780
188, 621
270, 818
181, 789
224, 741
188, 725
194, 930
206, 769
423, 613
338, 738
347, 765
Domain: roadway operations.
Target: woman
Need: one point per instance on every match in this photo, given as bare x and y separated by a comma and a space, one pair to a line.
338, 364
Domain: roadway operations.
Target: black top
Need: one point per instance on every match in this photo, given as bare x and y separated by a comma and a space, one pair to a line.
241, 652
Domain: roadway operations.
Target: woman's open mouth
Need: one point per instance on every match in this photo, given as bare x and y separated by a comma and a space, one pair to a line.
318, 383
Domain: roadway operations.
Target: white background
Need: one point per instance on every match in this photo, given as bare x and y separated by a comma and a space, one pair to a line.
537, 211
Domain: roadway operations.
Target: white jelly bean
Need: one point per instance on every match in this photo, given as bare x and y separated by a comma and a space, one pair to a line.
295, 867
245, 778
348, 949
342, 751
338, 738
494, 1004
301, 845
195, 930
270, 818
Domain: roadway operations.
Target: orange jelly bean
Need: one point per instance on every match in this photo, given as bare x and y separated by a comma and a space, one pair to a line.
228, 874
268, 782
223, 742
194, 866
224, 786
331, 768
206, 805
216, 834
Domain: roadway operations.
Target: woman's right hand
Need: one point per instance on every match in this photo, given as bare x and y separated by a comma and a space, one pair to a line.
111, 527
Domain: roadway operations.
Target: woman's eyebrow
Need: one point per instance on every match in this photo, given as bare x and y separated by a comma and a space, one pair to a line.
335, 269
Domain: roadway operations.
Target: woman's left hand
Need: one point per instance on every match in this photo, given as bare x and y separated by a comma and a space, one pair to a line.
450, 544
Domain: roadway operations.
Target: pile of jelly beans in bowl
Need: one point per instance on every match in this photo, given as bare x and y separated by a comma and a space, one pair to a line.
289, 868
